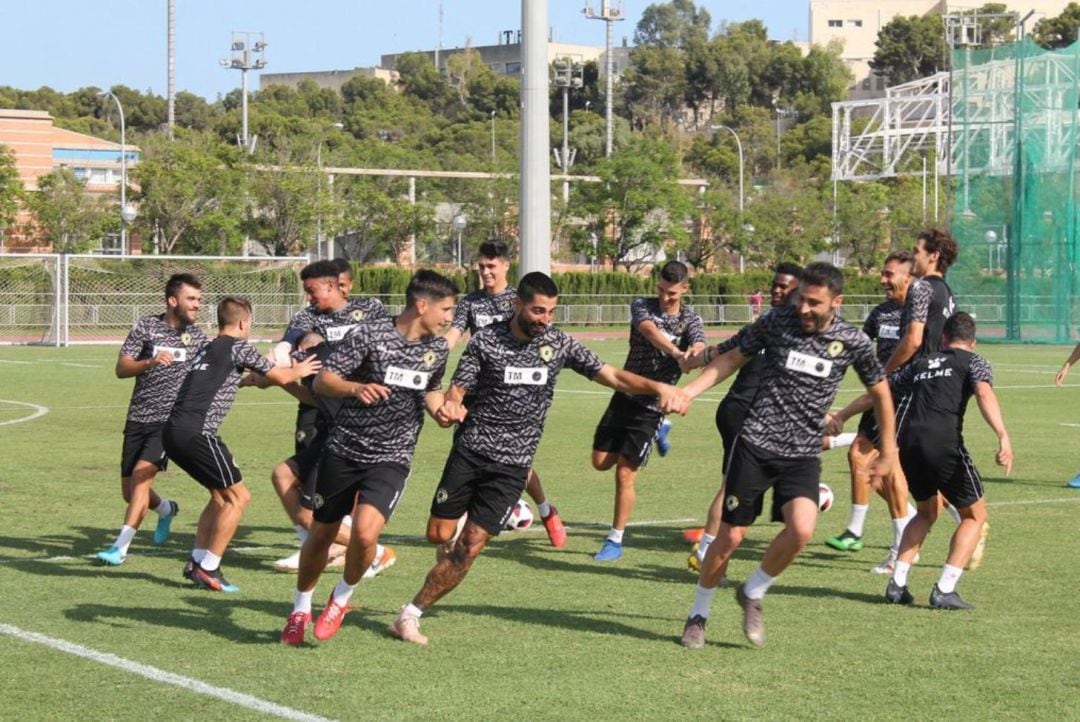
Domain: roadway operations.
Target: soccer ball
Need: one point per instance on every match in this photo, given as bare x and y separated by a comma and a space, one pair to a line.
825, 497
521, 517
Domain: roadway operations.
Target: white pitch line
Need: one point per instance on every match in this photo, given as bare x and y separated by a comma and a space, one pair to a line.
20, 363
1031, 502
1072, 425
159, 675
79, 366
38, 411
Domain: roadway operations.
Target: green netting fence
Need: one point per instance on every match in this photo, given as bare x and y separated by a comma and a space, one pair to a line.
1015, 122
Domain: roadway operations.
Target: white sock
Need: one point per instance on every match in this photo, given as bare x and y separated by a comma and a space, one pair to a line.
342, 592
758, 583
164, 508
953, 512
301, 533
411, 610
950, 575
702, 601
197, 555
858, 518
898, 526
302, 602
841, 440
703, 546
123, 539
544, 509
900, 572
210, 561
911, 510
615, 535
379, 551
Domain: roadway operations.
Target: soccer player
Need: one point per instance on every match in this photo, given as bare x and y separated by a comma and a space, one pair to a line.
662, 331
928, 304
1074, 483
808, 347
387, 372
732, 411
190, 435
883, 326
156, 352
494, 303
510, 369
938, 387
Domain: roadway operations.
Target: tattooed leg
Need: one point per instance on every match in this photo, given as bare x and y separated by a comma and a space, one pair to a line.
448, 573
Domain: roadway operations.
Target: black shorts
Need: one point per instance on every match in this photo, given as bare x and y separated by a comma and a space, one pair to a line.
868, 427
307, 427
730, 417
943, 467
753, 471
205, 458
306, 465
343, 483
142, 442
486, 489
627, 428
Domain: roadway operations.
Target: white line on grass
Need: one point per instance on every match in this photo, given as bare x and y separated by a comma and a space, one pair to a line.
20, 363
1072, 425
80, 366
38, 411
1030, 502
159, 675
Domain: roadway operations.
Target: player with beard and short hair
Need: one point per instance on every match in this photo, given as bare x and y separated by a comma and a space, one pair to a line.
156, 353
494, 303
509, 370
808, 348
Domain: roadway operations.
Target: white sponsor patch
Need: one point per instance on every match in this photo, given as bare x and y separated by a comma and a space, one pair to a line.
892, 332
528, 376
179, 355
406, 378
807, 364
483, 320
336, 333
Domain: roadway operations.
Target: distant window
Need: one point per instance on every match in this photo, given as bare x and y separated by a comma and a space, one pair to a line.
99, 176
80, 173
513, 68
854, 23
836, 23
866, 84
880, 83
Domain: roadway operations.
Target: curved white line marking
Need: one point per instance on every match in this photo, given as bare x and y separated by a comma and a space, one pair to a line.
38, 411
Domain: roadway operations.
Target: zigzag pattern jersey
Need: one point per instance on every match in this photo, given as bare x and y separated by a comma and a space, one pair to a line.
209, 388
800, 375
155, 390
683, 329
938, 388
929, 301
334, 326
883, 326
511, 383
480, 309
376, 353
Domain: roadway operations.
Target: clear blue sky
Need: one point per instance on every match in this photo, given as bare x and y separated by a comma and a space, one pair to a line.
68, 44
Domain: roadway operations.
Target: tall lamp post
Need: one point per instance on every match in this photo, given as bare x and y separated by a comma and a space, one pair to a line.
742, 197
127, 212
319, 240
459, 223
610, 13
248, 53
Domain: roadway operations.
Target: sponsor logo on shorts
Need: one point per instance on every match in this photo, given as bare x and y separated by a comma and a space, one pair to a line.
301, 435
732, 502
441, 496
319, 501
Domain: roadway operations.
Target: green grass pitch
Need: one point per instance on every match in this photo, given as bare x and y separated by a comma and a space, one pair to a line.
533, 632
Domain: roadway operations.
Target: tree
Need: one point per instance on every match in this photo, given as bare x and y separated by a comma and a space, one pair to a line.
288, 196
11, 190
1059, 31
790, 221
65, 215
909, 48
672, 25
378, 220
637, 206
862, 210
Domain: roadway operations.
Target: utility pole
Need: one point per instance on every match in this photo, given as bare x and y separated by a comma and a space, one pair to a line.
248, 53
609, 14
534, 199
567, 75
171, 67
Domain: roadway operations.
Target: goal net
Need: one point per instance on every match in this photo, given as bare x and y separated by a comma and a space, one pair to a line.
104, 295
30, 299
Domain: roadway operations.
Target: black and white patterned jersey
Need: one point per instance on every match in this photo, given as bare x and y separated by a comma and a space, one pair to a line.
800, 375
376, 353
326, 406
882, 325
480, 309
209, 388
937, 388
334, 326
929, 301
155, 390
683, 329
510, 384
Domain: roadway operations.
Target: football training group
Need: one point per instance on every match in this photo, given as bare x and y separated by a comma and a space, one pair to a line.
365, 381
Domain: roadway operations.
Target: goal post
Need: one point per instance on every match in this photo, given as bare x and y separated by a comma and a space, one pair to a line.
30, 295
103, 296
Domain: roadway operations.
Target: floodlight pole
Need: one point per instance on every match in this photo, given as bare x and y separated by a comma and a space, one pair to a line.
246, 55
609, 15
534, 199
